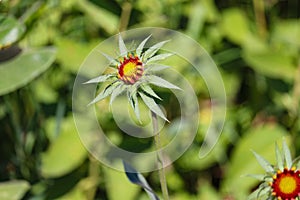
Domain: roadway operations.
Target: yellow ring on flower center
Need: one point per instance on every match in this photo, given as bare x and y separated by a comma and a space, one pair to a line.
287, 185
129, 69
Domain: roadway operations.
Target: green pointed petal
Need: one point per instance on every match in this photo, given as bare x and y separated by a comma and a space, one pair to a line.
100, 79
136, 106
279, 158
149, 91
117, 91
106, 92
264, 163
260, 177
259, 192
122, 47
159, 57
155, 67
155, 80
287, 154
140, 48
150, 103
111, 60
152, 50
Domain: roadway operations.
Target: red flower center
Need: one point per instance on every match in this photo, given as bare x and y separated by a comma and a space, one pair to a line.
130, 69
286, 184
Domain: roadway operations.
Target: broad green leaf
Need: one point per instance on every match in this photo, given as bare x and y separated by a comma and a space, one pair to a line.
264, 163
288, 31
274, 64
105, 93
100, 16
137, 178
152, 50
13, 190
71, 53
155, 80
140, 48
28, 65
65, 153
117, 185
149, 91
261, 139
10, 30
287, 155
235, 25
150, 103
159, 57
122, 47
279, 158
100, 79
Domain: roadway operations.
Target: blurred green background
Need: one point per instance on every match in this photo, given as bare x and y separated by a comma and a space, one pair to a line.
256, 45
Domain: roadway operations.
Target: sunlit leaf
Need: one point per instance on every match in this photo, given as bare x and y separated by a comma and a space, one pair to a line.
13, 190
65, 153
28, 65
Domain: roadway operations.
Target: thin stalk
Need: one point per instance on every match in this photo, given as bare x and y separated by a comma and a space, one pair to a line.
260, 18
161, 170
125, 16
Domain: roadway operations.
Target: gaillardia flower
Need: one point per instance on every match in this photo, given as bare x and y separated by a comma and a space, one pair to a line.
133, 74
282, 181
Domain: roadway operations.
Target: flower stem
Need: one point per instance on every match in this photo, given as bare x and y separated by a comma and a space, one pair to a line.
259, 9
161, 171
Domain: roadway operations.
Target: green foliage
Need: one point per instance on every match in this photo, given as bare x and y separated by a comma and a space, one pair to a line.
44, 43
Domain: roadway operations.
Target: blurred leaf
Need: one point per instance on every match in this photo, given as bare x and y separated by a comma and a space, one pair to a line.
105, 19
136, 178
65, 153
117, 185
288, 32
235, 25
24, 68
72, 49
274, 64
206, 191
10, 30
262, 140
13, 190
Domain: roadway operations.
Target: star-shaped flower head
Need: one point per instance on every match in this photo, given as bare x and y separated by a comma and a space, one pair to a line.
282, 181
133, 74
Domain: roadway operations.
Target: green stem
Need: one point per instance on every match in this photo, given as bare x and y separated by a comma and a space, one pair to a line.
161, 170
125, 16
260, 18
